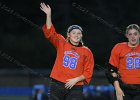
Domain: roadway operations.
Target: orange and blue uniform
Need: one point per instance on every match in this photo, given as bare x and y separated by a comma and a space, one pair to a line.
127, 61
71, 61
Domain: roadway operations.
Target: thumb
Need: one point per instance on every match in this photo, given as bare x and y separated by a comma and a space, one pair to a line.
123, 93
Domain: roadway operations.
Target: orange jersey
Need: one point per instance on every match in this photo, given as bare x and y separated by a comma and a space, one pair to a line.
127, 60
71, 61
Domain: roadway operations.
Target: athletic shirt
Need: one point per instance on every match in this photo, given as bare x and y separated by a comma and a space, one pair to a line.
71, 61
127, 60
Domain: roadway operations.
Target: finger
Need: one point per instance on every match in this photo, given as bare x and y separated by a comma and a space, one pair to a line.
41, 8
48, 6
45, 5
123, 94
41, 4
67, 86
71, 86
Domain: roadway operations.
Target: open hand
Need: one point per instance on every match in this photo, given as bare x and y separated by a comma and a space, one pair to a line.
45, 8
70, 83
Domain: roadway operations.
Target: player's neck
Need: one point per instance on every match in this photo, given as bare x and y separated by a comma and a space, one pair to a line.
132, 46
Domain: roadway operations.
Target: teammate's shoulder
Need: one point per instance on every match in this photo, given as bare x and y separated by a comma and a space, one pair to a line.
121, 44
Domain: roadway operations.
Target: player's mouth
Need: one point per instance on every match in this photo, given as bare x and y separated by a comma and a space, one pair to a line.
76, 38
133, 40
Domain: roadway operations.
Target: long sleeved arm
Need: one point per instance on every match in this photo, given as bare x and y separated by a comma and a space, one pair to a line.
53, 36
89, 66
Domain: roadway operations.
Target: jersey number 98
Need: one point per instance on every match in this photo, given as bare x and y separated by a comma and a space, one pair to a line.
70, 62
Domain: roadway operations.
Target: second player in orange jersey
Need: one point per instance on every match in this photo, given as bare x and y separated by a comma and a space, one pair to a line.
124, 65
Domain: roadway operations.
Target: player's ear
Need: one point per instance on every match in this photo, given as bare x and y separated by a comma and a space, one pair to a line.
139, 35
126, 35
68, 34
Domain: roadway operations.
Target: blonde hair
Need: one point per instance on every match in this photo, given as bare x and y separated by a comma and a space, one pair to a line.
132, 26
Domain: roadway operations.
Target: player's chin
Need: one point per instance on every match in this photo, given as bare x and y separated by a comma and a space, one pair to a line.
77, 41
134, 43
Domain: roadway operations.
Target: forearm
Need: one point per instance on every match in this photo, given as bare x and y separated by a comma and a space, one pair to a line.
48, 21
116, 85
116, 82
47, 10
119, 91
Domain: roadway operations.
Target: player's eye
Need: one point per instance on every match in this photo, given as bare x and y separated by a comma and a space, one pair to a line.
129, 34
78, 33
136, 33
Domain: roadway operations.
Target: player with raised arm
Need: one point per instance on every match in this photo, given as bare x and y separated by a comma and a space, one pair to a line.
74, 62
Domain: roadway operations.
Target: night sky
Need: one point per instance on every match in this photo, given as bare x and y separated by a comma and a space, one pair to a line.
103, 22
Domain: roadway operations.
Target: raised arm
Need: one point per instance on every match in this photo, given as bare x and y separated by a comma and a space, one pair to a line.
47, 10
49, 29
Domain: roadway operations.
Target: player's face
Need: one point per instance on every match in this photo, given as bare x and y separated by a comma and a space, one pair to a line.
133, 37
75, 36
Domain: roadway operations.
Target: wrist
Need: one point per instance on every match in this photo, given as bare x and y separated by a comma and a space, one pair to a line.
80, 78
48, 15
77, 79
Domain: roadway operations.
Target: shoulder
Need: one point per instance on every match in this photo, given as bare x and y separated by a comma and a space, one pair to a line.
87, 49
120, 45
